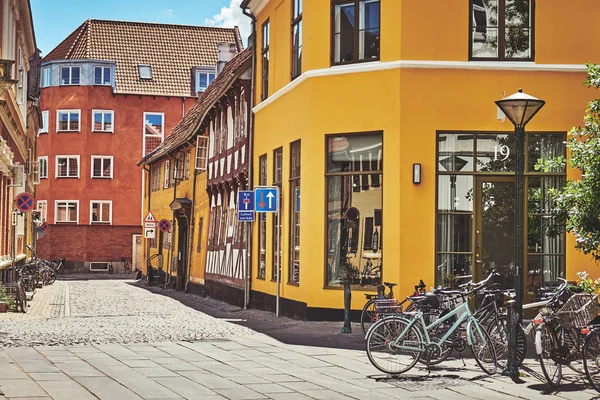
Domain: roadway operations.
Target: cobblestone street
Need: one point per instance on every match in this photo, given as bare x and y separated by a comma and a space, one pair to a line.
109, 339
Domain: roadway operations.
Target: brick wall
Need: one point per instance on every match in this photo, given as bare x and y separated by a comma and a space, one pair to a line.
82, 243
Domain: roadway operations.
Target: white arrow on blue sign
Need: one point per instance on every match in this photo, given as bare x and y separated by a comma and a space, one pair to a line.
267, 199
246, 206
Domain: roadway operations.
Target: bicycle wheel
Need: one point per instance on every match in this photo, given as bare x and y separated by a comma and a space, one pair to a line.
51, 277
482, 347
591, 359
574, 342
385, 356
546, 343
435, 334
21, 301
498, 331
368, 316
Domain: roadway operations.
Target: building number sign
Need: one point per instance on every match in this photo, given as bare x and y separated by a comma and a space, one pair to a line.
501, 152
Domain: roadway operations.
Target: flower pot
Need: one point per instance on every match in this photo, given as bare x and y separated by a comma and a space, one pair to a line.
3, 307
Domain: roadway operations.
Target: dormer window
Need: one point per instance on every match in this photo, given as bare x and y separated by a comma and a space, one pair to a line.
69, 75
145, 71
204, 76
102, 76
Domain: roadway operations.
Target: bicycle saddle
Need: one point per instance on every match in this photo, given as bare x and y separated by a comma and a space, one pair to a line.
390, 285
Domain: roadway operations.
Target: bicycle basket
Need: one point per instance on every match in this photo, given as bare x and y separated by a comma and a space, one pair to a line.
578, 311
387, 306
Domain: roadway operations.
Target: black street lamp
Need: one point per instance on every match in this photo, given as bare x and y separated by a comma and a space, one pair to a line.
519, 108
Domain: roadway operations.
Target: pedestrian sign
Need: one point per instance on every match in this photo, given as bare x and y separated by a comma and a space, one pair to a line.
267, 199
149, 217
246, 206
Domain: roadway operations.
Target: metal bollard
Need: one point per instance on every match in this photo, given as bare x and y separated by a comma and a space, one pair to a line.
347, 296
512, 321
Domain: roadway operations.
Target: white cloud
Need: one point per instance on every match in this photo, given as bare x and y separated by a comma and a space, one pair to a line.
231, 16
168, 12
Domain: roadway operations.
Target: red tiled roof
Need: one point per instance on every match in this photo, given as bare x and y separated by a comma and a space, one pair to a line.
187, 127
171, 50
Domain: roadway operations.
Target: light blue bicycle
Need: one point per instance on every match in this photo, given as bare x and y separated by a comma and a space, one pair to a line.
395, 343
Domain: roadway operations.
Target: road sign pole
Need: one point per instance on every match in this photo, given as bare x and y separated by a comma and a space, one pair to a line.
278, 260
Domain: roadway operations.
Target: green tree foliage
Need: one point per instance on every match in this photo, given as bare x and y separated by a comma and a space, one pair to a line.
578, 204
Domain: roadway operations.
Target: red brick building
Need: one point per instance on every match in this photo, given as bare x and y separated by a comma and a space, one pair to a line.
110, 93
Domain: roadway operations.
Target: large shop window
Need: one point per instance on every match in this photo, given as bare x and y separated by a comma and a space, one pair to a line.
476, 207
354, 209
502, 30
262, 222
294, 270
356, 35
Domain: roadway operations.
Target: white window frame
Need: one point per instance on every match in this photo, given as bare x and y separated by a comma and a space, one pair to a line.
205, 71
43, 161
103, 68
103, 112
68, 156
46, 77
145, 71
70, 67
45, 119
42, 206
167, 173
73, 111
109, 202
162, 133
112, 167
57, 202
201, 153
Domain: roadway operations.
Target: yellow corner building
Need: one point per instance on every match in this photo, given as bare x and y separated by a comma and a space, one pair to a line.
376, 119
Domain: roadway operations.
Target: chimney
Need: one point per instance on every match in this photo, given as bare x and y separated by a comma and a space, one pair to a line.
226, 52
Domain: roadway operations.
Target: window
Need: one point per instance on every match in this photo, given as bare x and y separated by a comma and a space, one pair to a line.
100, 211
155, 186
266, 31
277, 178
186, 165
350, 210
102, 167
502, 30
102, 75
68, 120
66, 211
167, 174
296, 38
43, 167
44, 122
145, 71
294, 268
204, 76
67, 166
355, 31
45, 79
42, 206
153, 131
102, 120
69, 75
262, 222
21, 85
201, 152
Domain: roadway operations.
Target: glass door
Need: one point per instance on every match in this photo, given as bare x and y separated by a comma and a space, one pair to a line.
494, 230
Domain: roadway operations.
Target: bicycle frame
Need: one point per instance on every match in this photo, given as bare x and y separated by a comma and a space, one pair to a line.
418, 318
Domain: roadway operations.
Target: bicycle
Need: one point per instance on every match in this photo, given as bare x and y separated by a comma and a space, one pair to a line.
591, 352
395, 340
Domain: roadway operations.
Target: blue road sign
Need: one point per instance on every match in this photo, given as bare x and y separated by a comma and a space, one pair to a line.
267, 199
246, 206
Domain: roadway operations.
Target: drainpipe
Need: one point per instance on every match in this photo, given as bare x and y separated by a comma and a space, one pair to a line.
192, 229
149, 171
250, 158
174, 228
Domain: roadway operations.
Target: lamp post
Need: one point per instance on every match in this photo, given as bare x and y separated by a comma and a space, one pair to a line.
519, 108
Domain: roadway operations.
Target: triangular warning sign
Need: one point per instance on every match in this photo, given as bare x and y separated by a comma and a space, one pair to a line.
150, 217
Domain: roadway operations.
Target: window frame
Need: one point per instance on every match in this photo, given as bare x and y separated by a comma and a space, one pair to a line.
501, 39
103, 112
356, 32
46, 77
112, 166
145, 135
42, 206
40, 169
45, 122
69, 111
110, 209
70, 67
141, 68
56, 204
296, 68
103, 68
294, 220
204, 70
275, 221
261, 272
68, 157
265, 53
167, 174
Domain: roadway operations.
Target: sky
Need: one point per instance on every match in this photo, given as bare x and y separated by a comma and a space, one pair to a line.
54, 20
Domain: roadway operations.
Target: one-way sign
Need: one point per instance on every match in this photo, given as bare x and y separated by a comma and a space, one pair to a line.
267, 198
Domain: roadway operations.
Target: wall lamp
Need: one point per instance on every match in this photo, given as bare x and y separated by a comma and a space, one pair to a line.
416, 173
